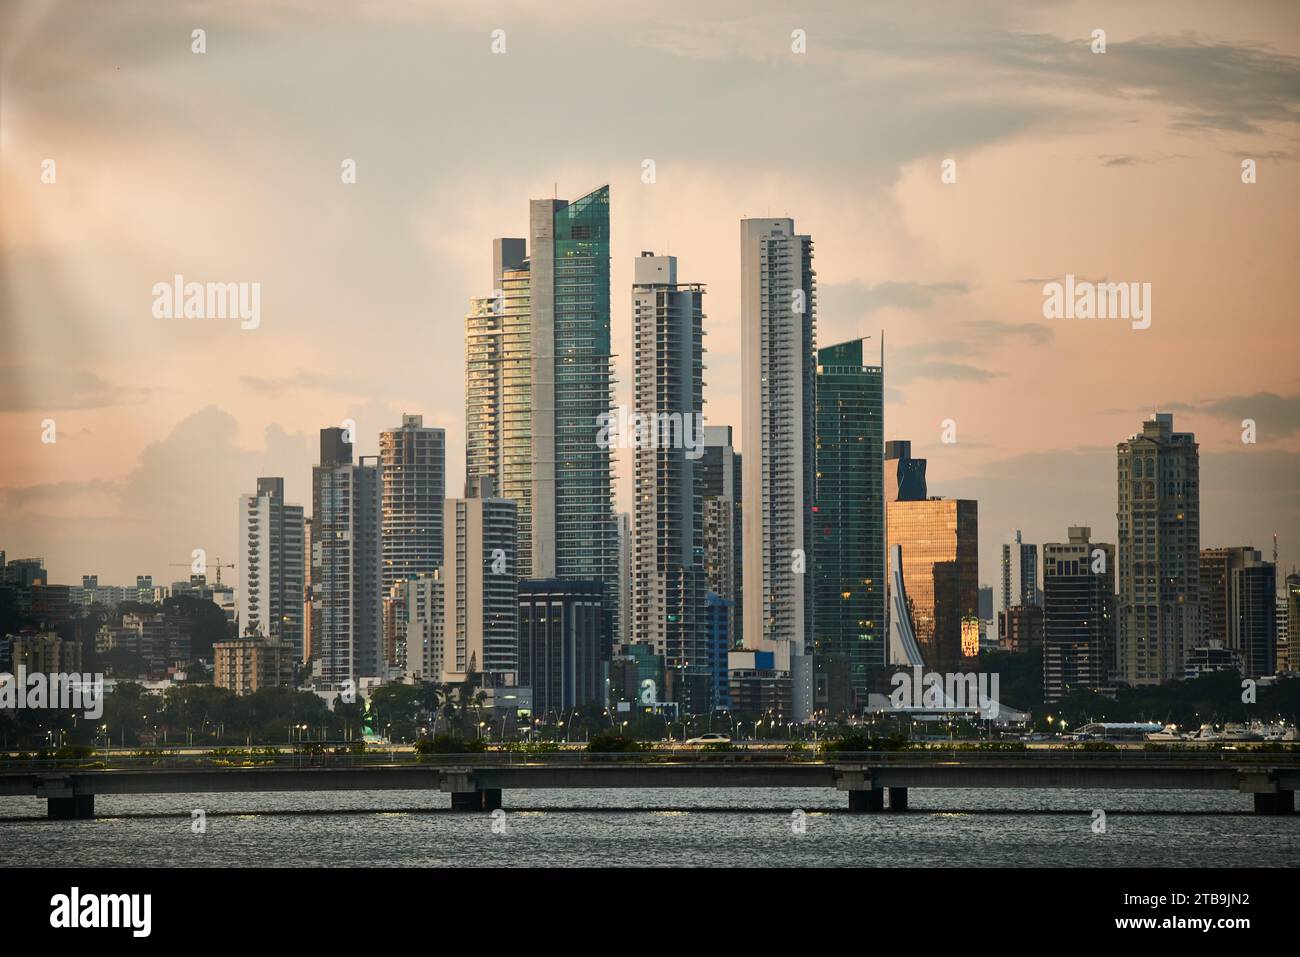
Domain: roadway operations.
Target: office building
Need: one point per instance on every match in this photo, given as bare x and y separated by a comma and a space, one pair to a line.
904, 475
560, 625
539, 378
939, 541
1254, 599
1078, 614
849, 517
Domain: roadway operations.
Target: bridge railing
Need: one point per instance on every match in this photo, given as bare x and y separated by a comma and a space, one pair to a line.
737, 756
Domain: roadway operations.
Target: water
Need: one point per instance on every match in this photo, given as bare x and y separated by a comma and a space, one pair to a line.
682, 827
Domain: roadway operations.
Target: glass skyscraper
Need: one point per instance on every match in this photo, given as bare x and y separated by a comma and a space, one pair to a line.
538, 380
940, 552
849, 514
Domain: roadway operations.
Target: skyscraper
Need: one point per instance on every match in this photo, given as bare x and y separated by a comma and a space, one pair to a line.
271, 559
904, 475
720, 490
778, 424
559, 643
849, 517
939, 540
1078, 614
498, 386
539, 378
573, 531
1254, 592
480, 587
414, 463
1019, 573
668, 592
623, 636
1288, 653
1159, 521
347, 562
1218, 595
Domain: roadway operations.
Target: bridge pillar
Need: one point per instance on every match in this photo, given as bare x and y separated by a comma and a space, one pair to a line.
866, 801
898, 799
78, 807
1279, 802
491, 798
467, 800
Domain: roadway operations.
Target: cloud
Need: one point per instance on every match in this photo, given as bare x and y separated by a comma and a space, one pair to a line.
275, 388
858, 299
1246, 497
182, 494
1275, 416
53, 388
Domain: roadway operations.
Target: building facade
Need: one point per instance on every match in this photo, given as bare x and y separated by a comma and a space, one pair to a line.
560, 656
904, 475
720, 491
778, 345
347, 564
1019, 567
539, 377
421, 623
1078, 614
849, 515
271, 544
1254, 636
1159, 522
248, 665
413, 460
481, 587
939, 541
668, 389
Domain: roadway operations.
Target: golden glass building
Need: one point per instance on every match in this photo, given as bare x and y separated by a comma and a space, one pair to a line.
940, 542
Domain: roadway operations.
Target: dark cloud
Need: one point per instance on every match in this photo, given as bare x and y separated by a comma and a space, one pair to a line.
1246, 497
1275, 416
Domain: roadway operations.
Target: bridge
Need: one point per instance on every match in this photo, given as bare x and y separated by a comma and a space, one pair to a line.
477, 782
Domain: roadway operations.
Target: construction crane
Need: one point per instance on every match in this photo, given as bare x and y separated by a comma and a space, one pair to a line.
215, 563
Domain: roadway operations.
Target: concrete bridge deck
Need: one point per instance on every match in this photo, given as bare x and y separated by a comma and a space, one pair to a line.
476, 782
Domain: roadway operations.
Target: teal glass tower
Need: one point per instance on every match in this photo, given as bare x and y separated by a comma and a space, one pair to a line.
849, 515
573, 530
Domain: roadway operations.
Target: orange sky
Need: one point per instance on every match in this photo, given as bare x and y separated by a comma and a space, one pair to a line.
225, 166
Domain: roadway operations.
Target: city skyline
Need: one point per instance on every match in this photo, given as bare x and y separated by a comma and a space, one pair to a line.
155, 417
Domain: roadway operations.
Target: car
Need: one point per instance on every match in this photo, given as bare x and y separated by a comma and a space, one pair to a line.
711, 738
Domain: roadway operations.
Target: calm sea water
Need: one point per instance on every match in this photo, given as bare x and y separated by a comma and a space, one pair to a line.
694, 828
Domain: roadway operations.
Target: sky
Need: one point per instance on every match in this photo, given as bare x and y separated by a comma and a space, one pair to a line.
225, 166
